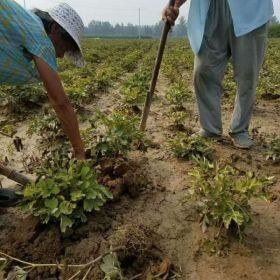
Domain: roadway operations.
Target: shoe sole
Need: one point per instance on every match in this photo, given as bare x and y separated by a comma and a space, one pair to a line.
240, 146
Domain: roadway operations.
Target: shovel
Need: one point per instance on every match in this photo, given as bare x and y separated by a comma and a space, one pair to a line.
151, 91
8, 197
14, 175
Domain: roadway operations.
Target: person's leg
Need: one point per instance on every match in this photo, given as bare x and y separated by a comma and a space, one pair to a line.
210, 65
247, 56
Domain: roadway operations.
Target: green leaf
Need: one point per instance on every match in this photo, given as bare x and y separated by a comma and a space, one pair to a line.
51, 203
65, 222
110, 266
77, 195
91, 193
88, 205
20, 273
85, 170
3, 263
105, 191
66, 207
227, 218
238, 217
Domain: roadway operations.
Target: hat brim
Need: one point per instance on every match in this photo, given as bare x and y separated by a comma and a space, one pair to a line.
76, 57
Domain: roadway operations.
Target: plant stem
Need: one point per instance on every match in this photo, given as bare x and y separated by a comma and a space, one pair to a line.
76, 274
85, 276
58, 265
136, 276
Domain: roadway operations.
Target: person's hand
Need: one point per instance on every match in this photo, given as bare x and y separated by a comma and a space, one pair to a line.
170, 14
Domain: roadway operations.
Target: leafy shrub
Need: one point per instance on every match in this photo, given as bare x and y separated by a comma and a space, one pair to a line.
19, 98
47, 126
115, 134
179, 117
130, 61
177, 94
184, 146
104, 77
224, 194
134, 89
65, 195
77, 94
273, 152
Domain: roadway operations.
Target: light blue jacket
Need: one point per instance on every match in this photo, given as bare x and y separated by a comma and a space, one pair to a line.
247, 15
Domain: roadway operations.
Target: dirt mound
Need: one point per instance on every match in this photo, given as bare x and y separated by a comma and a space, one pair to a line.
121, 175
38, 245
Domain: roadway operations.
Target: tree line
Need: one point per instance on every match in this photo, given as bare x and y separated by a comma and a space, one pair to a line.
106, 29
274, 28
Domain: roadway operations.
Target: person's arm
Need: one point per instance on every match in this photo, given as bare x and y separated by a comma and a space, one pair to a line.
170, 14
61, 105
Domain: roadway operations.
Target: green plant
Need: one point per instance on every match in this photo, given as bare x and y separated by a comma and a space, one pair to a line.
65, 195
224, 193
114, 134
8, 129
179, 117
184, 146
134, 89
177, 94
19, 98
111, 267
47, 126
273, 152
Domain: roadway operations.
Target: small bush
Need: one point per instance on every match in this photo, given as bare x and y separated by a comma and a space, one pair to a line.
224, 194
47, 126
114, 135
177, 94
134, 89
273, 152
184, 146
65, 195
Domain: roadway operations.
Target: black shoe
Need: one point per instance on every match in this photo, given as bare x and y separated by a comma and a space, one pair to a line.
9, 198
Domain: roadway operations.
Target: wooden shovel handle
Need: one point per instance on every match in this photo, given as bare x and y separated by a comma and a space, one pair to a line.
151, 91
14, 175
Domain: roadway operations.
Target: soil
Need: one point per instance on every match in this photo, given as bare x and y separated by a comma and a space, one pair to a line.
154, 233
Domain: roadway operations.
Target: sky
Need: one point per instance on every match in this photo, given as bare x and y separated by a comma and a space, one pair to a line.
118, 11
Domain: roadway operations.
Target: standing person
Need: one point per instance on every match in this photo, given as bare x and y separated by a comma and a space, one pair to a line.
30, 42
219, 30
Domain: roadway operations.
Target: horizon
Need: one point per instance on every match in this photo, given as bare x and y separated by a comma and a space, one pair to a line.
118, 11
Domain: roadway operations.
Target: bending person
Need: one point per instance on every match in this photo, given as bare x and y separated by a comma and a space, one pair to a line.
30, 43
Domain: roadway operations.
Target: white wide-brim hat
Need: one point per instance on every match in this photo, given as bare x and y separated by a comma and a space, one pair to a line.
71, 22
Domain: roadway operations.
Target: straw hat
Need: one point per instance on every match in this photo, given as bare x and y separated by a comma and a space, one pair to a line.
70, 21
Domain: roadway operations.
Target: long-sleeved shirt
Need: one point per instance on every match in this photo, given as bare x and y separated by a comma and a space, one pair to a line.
247, 15
22, 35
